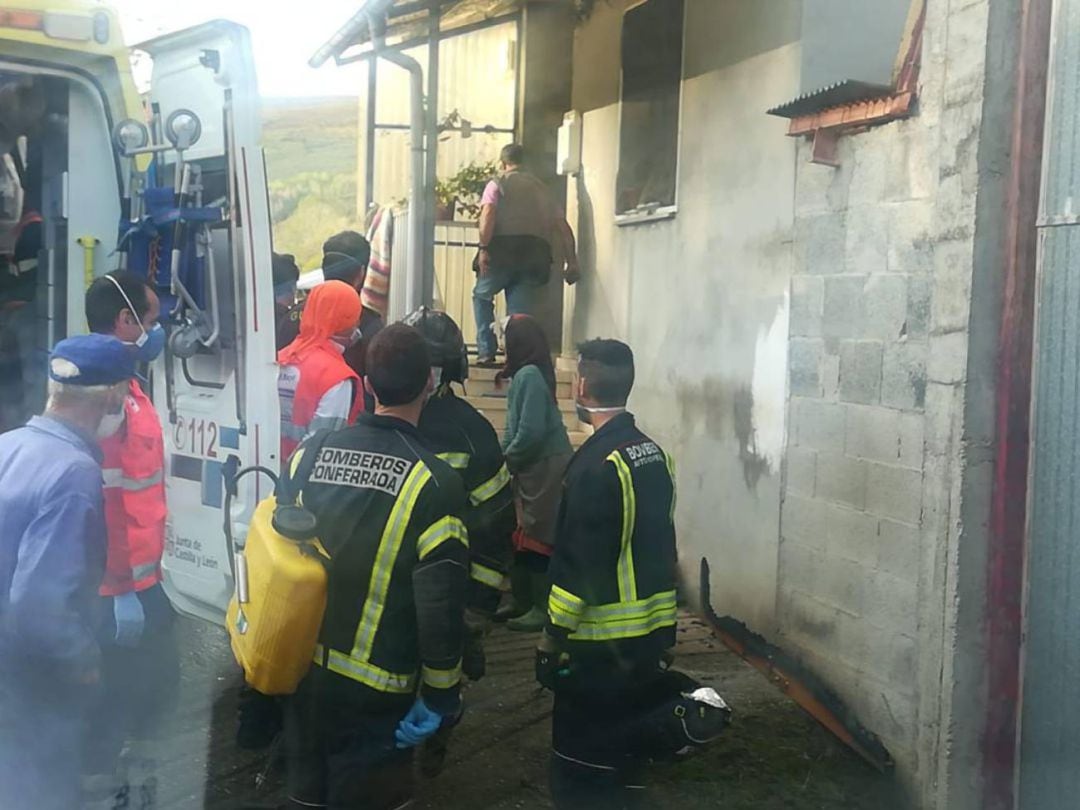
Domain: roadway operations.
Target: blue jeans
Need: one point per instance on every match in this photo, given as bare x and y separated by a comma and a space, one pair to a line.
520, 297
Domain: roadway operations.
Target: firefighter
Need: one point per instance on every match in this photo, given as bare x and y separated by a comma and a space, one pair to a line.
611, 611
388, 666
286, 310
318, 390
140, 662
465, 439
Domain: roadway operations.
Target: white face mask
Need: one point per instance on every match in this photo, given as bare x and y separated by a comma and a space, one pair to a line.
585, 413
348, 342
110, 424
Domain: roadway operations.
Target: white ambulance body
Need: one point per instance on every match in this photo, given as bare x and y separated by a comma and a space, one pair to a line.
215, 387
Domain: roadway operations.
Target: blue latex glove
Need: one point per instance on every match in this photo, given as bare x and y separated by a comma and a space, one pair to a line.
419, 724
130, 619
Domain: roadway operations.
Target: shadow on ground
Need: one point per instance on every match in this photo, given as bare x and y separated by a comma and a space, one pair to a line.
773, 756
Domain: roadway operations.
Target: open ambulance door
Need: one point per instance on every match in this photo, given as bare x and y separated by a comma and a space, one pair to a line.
215, 387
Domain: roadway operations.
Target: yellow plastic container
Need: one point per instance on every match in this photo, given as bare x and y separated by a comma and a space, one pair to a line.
275, 631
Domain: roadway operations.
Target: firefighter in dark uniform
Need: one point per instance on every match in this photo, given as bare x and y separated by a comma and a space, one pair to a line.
611, 612
388, 664
465, 439
461, 436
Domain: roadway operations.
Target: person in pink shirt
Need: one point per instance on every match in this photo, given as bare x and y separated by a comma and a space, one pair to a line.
519, 220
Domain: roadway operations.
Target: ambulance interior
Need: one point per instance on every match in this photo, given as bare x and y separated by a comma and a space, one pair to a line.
34, 139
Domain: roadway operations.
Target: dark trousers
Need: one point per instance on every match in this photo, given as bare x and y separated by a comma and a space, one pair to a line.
342, 757
598, 760
139, 684
41, 726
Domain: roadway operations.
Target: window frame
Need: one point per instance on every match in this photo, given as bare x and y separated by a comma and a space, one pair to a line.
645, 215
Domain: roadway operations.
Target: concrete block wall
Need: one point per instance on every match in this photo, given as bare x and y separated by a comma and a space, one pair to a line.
880, 309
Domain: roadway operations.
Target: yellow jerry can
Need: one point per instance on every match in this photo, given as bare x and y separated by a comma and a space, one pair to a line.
277, 610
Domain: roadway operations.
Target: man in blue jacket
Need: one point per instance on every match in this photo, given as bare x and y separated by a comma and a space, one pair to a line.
52, 557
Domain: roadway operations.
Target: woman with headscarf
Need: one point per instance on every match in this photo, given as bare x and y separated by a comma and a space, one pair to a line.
537, 450
318, 389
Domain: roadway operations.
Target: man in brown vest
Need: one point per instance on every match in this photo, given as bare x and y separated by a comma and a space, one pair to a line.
518, 220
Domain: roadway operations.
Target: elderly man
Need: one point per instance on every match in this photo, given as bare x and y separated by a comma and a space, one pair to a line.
52, 557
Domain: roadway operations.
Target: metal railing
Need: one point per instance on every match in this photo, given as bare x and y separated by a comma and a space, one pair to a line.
456, 244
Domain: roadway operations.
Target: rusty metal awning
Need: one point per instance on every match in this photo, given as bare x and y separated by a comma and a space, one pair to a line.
848, 91
408, 24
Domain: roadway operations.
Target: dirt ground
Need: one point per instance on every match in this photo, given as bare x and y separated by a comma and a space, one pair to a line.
773, 756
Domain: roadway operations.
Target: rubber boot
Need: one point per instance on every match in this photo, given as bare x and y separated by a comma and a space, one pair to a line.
535, 620
520, 594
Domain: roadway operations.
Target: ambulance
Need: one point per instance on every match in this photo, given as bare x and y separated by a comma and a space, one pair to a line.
170, 184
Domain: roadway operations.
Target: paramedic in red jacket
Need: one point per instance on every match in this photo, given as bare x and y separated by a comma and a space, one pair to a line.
140, 668
318, 389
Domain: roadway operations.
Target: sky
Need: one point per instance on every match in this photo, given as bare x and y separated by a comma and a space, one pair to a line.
284, 36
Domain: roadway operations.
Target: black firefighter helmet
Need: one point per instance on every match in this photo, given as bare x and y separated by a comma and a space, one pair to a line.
446, 346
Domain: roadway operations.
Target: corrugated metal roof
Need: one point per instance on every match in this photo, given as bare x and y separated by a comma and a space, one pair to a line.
407, 20
835, 95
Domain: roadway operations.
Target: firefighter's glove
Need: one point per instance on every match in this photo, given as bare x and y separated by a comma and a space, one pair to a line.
551, 664
419, 724
473, 657
130, 619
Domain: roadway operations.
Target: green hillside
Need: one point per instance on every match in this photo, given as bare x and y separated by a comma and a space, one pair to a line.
311, 149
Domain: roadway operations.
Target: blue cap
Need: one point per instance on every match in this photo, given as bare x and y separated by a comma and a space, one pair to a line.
91, 360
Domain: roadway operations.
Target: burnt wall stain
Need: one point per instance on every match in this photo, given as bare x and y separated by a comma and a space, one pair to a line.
754, 466
702, 407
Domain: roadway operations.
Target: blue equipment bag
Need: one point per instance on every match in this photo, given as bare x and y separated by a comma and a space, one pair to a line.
149, 245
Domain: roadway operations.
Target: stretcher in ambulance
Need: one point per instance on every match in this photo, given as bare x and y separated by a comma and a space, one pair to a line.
172, 186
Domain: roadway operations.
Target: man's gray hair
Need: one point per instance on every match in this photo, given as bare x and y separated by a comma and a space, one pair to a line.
65, 394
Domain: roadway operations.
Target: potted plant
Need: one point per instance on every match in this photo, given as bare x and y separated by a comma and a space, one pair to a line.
445, 200
468, 186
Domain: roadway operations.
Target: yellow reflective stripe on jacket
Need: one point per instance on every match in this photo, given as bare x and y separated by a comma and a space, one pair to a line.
627, 580
389, 546
565, 608
459, 461
370, 675
490, 488
674, 488
485, 576
442, 678
627, 619
446, 528
294, 463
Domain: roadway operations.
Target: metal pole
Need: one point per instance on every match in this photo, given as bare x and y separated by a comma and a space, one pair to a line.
1008, 512
414, 280
369, 143
432, 136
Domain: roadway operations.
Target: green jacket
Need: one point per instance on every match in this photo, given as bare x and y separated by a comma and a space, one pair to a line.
534, 425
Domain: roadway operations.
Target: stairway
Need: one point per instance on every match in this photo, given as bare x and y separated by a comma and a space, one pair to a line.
482, 395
